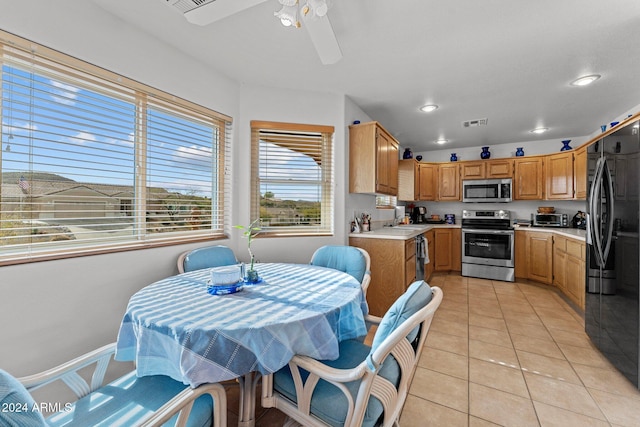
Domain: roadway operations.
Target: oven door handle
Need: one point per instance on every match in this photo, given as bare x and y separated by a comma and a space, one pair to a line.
486, 231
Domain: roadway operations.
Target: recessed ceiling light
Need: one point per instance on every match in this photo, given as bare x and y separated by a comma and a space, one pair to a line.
539, 130
428, 108
441, 141
585, 80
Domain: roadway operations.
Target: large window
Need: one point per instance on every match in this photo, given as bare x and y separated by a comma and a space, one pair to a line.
292, 178
93, 162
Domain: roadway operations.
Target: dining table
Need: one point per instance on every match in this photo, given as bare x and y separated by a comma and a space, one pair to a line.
176, 327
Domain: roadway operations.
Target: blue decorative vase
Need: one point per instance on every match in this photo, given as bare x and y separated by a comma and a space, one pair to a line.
407, 154
519, 152
453, 157
566, 147
485, 153
419, 158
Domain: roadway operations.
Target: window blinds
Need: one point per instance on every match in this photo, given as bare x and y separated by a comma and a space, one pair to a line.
91, 164
292, 178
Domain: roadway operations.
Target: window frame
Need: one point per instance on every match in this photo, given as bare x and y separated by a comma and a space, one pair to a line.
328, 173
86, 75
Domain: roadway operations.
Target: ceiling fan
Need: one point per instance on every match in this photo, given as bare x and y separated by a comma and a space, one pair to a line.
312, 14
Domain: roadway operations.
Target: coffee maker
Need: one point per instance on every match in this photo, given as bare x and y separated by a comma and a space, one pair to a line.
418, 215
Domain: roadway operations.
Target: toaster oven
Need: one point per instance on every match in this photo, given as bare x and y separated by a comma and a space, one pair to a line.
549, 220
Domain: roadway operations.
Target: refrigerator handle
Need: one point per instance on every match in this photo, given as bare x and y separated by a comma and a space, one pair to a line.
608, 232
594, 218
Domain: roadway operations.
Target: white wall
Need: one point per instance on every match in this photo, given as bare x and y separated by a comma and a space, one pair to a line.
289, 106
53, 311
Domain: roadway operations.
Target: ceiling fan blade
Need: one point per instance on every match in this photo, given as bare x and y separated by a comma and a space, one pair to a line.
323, 38
216, 10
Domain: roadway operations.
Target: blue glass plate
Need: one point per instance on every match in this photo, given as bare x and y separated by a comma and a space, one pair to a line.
246, 282
225, 289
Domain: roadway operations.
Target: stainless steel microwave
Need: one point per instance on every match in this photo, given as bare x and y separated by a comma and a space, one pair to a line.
486, 190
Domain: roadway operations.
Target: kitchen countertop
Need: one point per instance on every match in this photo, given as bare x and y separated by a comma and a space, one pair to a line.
401, 232
573, 233
404, 232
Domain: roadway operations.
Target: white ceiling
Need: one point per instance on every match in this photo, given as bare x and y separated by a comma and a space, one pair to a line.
509, 61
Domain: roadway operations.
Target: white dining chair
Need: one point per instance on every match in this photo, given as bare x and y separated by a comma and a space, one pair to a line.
366, 385
146, 401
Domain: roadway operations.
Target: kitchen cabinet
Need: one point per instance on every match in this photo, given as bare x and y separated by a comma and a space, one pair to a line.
416, 181
448, 182
408, 180
534, 256
448, 245
431, 249
485, 169
580, 173
373, 160
560, 263
575, 272
393, 269
528, 178
428, 181
559, 176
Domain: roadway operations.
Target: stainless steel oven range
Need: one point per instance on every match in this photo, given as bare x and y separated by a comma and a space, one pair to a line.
488, 245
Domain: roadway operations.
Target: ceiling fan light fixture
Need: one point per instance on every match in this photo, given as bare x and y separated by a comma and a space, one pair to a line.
288, 15
538, 131
585, 80
428, 108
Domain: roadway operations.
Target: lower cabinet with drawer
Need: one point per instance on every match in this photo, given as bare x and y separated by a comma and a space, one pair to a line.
569, 268
393, 269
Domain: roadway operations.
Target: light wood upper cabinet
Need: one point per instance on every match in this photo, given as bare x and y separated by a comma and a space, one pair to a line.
559, 176
373, 160
472, 170
428, 181
528, 181
485, 169
408, 180
580, 173
449, 182
500, 168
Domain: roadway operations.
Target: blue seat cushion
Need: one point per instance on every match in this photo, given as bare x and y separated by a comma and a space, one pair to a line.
208, 257
415, 297
127, 401
328, 402
344, 258
18, 407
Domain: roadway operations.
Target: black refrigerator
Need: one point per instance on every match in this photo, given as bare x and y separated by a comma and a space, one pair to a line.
612, 303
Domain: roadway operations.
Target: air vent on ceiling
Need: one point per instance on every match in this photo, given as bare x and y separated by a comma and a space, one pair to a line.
474, 123
187, 5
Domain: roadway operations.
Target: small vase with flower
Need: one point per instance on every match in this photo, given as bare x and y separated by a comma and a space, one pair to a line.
249, 232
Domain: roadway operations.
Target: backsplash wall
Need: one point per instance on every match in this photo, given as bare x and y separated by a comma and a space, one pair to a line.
519, 208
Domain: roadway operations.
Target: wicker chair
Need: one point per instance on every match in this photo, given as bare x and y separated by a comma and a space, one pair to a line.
207, 257
349, 259
130, 400
365, 386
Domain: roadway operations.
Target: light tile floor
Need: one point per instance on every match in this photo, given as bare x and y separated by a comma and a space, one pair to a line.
509, 354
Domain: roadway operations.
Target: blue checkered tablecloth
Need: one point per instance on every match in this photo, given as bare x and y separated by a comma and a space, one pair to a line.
175, 327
